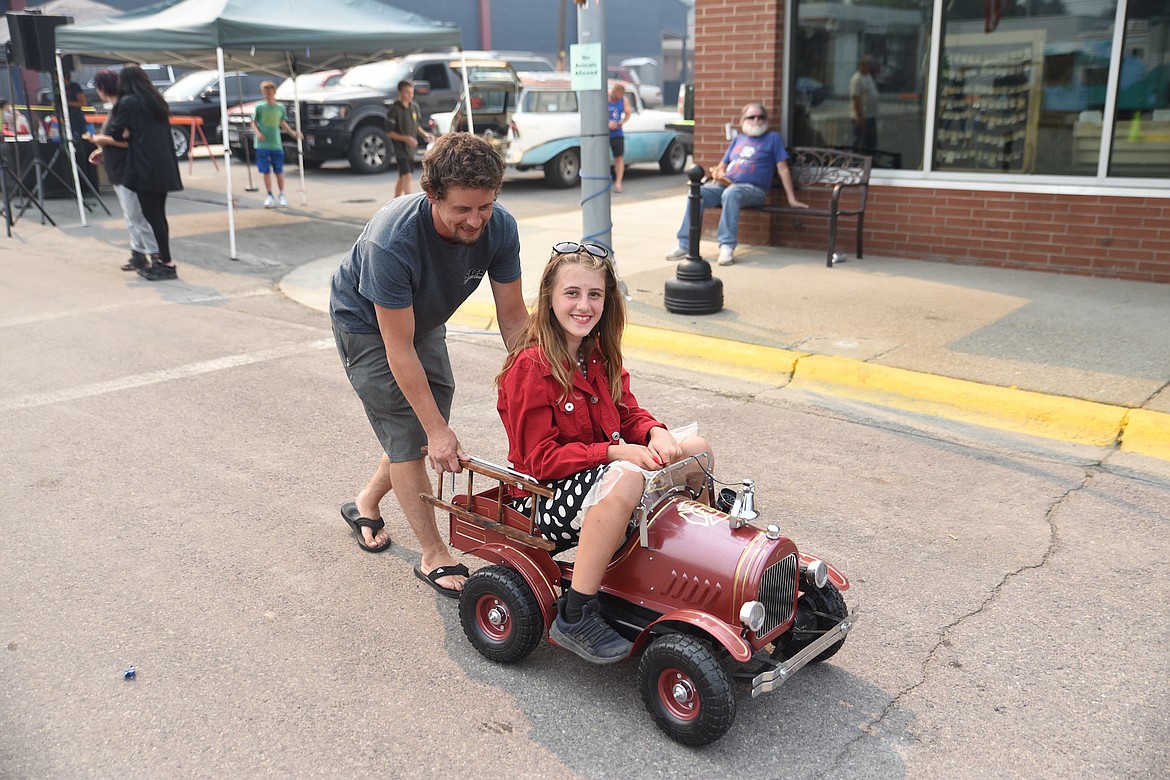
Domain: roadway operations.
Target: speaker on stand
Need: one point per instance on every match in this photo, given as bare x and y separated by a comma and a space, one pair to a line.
33, 40
34, 47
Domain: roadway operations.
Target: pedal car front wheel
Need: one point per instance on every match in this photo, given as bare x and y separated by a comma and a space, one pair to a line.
500, 615
817, 611
686, 689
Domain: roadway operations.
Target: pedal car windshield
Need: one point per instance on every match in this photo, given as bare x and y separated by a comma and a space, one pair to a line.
685, 478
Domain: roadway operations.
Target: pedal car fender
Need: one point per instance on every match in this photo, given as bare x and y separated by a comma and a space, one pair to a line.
835, 575
718, 630
542, 576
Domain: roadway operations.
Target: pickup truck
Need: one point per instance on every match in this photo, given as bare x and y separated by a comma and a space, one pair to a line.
348, 120
545, 131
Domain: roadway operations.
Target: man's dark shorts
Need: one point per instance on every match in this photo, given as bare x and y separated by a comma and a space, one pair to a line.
617, 145
390, 414
404, 157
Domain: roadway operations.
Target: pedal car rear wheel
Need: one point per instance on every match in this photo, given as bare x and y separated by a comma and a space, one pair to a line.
686, 689
500, 615
818, 610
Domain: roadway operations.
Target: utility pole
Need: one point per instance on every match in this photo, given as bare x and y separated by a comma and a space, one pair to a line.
593, 101
562, 56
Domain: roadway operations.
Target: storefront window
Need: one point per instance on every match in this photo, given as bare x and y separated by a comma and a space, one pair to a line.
1023, 92
1141, 127
859, 77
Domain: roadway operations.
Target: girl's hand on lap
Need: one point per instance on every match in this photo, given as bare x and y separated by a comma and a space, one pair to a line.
640, 456
664, 447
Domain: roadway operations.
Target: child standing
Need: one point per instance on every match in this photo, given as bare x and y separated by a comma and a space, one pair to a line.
267, 122
573, 424
618, 115
404, 127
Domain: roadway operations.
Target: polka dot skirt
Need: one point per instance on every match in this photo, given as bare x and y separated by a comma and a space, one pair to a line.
558, 519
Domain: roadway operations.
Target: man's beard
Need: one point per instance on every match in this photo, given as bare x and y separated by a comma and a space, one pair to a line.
462, 238
754, 129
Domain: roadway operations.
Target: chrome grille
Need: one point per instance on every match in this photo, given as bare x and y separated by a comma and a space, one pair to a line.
778, 593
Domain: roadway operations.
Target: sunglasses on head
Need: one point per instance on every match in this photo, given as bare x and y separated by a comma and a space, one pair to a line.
755, 117
572, 248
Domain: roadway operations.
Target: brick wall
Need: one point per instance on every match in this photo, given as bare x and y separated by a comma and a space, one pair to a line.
739, 50
1094, 235
738, 58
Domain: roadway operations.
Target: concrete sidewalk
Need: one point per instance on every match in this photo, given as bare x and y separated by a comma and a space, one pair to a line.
1067, 358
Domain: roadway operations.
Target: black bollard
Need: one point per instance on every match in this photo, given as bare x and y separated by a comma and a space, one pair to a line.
694, 290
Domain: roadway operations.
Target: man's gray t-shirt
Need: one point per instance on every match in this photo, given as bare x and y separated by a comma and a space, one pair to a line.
400, 260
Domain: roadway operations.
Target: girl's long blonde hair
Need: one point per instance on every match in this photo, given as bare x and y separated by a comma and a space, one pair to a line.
605, 339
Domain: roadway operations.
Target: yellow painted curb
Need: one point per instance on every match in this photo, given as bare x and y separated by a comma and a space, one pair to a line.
1024, 411
1147, 433
710, 355
481, 316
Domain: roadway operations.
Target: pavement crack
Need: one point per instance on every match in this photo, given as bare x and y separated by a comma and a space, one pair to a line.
1153, 395
873, 726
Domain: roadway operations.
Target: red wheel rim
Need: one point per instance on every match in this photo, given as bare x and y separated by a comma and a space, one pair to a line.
677, 692
493, 619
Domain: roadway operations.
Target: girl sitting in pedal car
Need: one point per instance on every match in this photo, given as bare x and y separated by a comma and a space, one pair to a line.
573, 423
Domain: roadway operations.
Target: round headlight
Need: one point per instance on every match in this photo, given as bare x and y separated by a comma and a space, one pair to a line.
818, 573
751, 614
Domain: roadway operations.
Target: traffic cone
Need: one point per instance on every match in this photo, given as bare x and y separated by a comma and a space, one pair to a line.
1135, 128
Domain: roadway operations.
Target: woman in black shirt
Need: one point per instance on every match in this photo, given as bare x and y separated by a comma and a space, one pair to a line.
141, 117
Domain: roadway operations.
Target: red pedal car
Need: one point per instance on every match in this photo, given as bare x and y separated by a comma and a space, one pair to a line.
708, 594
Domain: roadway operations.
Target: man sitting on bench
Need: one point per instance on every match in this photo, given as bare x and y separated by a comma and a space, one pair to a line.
742, 179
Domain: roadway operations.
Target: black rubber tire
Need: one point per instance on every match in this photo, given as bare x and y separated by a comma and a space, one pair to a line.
369, 150
674, 159
180, 141
817, 610
680, 661
564, 170
500, 592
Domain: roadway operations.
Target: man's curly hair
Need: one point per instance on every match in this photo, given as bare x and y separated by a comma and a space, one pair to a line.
461, 160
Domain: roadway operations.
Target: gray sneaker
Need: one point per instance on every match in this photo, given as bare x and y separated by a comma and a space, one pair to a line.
678, 254
726, 254
590, 637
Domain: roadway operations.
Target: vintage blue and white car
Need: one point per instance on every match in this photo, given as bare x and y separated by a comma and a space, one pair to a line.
545, 131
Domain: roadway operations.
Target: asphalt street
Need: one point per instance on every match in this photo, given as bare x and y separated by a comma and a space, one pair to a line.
175, 455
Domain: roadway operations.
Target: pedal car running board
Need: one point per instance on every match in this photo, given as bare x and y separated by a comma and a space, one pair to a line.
780, 674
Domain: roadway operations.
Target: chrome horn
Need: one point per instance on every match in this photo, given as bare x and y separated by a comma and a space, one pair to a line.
743, 510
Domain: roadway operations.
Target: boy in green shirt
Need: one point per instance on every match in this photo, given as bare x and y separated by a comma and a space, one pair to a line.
267, 122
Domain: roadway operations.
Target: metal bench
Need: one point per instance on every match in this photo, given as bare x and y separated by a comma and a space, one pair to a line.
843, 174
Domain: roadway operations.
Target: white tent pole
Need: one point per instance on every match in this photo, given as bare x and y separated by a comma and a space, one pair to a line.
467, 91
227, 154
297, 126
67, 139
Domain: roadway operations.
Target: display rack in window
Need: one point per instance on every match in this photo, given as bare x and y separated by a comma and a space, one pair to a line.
987, 114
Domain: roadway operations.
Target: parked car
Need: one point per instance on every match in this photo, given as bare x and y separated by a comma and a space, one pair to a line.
521, 61
708, 591
197, 94
810, 92
685, 127
162, 76
651, 94
240, 117
493, 99
545, 131
348, 120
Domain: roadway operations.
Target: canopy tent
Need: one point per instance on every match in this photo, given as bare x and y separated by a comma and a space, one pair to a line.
275, 36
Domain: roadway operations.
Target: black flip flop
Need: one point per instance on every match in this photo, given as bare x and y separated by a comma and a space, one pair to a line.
354, 519
458, 570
